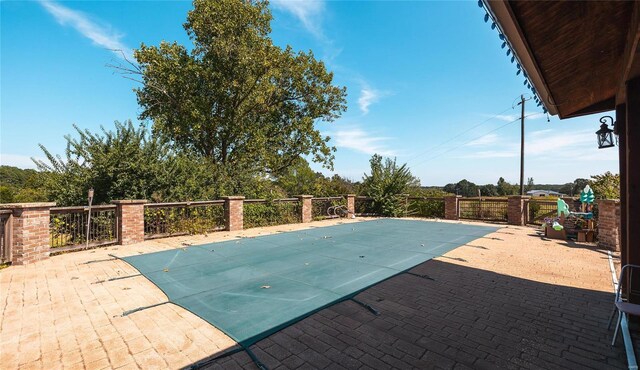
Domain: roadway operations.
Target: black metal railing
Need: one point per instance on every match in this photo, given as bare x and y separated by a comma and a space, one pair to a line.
183, 218
5, 235
429, 207
263, 212
489, 209
364, 206
324, 207
68, 227
538, 210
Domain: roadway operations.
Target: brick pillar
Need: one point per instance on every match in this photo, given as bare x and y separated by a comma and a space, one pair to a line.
516, 212
351, 205
130, 215
451, 207
609, 224
306, 208
30, 232
234, 213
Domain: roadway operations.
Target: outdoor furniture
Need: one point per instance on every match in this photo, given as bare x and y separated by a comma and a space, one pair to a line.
623, 307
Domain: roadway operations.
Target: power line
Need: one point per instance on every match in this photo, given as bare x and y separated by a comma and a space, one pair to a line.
467, 142
457, 136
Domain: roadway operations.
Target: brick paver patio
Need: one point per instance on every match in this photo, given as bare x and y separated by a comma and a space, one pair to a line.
509, 300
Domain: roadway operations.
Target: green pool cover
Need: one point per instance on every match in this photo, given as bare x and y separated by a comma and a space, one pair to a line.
252, 287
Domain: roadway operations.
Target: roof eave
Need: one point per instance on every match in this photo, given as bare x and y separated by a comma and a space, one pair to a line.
502, 13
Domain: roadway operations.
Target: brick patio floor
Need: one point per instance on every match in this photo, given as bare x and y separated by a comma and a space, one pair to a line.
509, 300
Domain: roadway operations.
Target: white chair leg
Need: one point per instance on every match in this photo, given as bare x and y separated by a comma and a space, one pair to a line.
615, 333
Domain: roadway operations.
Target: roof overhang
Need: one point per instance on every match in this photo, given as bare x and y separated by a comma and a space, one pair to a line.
577, 54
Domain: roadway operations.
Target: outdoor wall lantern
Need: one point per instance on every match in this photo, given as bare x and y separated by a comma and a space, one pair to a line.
605, 134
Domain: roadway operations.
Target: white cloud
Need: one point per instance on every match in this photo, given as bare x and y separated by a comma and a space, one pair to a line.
488, 139
102, 35
514, 117
308, 12
548, 142
367, 97
361, 141
16, 160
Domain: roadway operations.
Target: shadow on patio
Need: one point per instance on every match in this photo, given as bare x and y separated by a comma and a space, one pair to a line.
463, 318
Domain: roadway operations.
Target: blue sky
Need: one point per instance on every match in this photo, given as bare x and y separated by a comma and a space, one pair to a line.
427, 83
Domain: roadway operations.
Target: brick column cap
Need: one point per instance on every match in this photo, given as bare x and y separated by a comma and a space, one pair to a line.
304, 196
519, 196
351, 195
233, 197
452, 196
605, 201
27, 205
130, 201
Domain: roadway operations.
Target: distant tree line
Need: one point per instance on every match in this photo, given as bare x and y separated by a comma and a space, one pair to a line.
606, 186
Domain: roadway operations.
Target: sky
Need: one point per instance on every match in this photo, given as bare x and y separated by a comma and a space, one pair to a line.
427, 83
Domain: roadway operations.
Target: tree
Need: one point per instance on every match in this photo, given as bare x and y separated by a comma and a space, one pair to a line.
235, 98
606, 186
7, 194
21, 185
567, 189
504, 188
301, 179
529, 185
462, 187
488, 190
578, 185
338, 185
386, 184
128, 163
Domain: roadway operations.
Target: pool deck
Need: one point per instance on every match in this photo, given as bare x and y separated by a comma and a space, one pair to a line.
508, 300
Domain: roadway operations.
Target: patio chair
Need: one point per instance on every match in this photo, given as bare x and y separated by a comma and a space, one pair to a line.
623, 307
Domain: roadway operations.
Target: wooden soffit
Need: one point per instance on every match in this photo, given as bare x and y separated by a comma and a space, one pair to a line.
578, 54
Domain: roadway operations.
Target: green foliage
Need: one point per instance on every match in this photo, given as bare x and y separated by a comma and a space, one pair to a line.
387, 185
7, 194
463, 187
530, 185
301, 179
578, 185
606, 186
127, 163
505, 189
430, 208
21, 185
235, 98
489, 190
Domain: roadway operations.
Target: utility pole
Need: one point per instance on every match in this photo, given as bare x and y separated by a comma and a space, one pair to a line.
522, 144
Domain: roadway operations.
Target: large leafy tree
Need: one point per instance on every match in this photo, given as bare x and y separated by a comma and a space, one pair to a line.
606, 186
386, 184
234, 97
126, 163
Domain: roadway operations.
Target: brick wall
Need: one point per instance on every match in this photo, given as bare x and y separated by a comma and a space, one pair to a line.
451, 207
30, 231
234, 213
306, 208
130, 214
609, 224
516, 212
